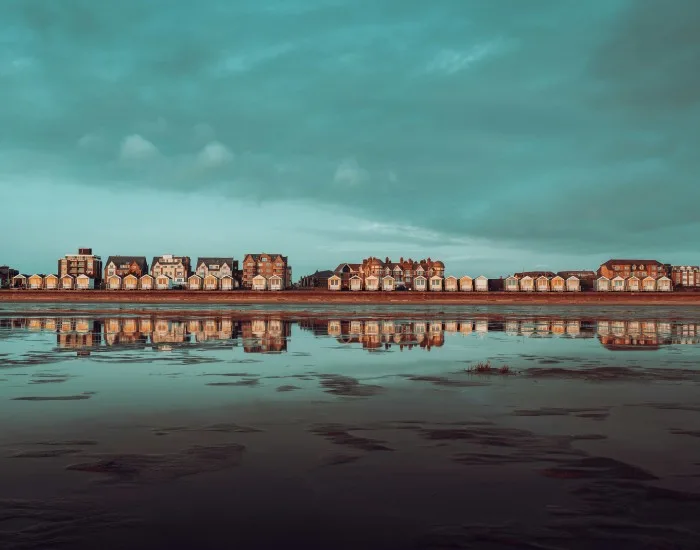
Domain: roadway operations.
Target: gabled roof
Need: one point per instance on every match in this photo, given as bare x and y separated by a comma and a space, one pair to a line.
148, 275
130, 275
483, 277
214, 261
193, 276
451, 277
119, 260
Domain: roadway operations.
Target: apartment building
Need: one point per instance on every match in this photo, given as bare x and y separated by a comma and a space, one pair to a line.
632, 268
687, 276
266, 265
82, 263
177, 268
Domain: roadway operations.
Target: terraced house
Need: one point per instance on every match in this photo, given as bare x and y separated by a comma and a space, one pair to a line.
126, 265
267, 266
177, 268
402, 272
632, 268
218, 267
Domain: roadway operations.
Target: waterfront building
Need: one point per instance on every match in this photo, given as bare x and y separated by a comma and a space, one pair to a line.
265, 265
176, 268
125, 265
632, 268
83, 263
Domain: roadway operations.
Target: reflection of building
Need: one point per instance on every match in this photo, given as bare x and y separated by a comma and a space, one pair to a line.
265, 335
78, 334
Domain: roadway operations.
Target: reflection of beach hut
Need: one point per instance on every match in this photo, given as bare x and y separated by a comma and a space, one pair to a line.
334, 282
436, 283
542, 284
355, 328
466, 327
451, 326
19, 281
130, 282
466, 284
451, 284
511, 284
573, 328
602, 284
527, 284
210, 282
573, 284
83, 282
355, 283
275, 282
226, 282
481, 284
420, 283
51, 282
663, 284
648, 284
372, 283
194, 282
388, 283
334, 328
146, 282
481, 326
67, 282
114, 282
633, 284
558, 327
35, 282
163, 282
259, 283
603, 328
618, 284
557, 284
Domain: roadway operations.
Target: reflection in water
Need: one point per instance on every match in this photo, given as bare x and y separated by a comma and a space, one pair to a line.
270, 334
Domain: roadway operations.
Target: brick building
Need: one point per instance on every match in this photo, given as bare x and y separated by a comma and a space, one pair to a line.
266, 265
687, 276
404, 271
82, 263
6, 274
632, 268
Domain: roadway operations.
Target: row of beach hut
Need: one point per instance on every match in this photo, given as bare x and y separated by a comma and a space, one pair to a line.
128, 282
420, 283
573, 284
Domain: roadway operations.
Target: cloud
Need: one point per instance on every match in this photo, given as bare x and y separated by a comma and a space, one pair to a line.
350, 172
213, 155
136, 147
89, 141
451, 61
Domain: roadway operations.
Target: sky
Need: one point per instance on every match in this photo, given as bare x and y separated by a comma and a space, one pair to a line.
496, 135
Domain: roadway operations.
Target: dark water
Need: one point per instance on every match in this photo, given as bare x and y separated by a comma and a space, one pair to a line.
362, 427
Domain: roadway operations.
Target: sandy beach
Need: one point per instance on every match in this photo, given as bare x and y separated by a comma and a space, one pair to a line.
329, 297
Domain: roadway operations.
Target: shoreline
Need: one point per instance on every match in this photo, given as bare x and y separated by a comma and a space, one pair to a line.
323, 297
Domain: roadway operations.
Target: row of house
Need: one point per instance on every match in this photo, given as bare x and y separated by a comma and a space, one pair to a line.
435, 283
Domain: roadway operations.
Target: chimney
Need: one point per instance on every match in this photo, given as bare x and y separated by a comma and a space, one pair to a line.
388, 261
85, 251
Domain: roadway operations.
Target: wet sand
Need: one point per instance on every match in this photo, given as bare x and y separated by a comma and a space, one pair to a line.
329, 297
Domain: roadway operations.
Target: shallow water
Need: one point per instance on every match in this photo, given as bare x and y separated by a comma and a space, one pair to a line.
349, 427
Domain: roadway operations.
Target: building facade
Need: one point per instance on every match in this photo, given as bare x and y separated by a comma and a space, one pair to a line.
125, 265
82, 263
685, 276
266, 265
177, 268
6, 274
218, 267
632, 268
319, 279
403, 272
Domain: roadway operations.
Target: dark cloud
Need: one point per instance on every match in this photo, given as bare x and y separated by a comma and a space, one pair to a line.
566, 126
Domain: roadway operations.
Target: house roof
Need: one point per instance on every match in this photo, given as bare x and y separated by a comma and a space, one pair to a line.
175, 259
274, 256
119, 260
535, 274
325, 273
612, 262
214, 261
577, 273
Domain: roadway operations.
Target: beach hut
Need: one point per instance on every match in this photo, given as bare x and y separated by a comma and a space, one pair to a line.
163, 282
226, 282
663, 284
388, 283
618, 284
648, 284
451, 284
194, 282
335, 282
420, 283
114, 282
83, 282
130, 282
275, 282
51, 282
147, 282
542, 284
35, 282
557, 284
355, 283
19, 281
481, 284
210, 282
573, 284
510, 284
633, 284
436, 283
602, 284
259, 283
67, 282
527, 284
372, 283
466, 284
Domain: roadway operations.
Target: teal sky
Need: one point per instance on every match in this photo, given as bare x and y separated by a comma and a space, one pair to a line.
496, 135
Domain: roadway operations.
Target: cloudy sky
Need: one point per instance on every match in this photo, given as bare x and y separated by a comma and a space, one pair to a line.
494, 134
